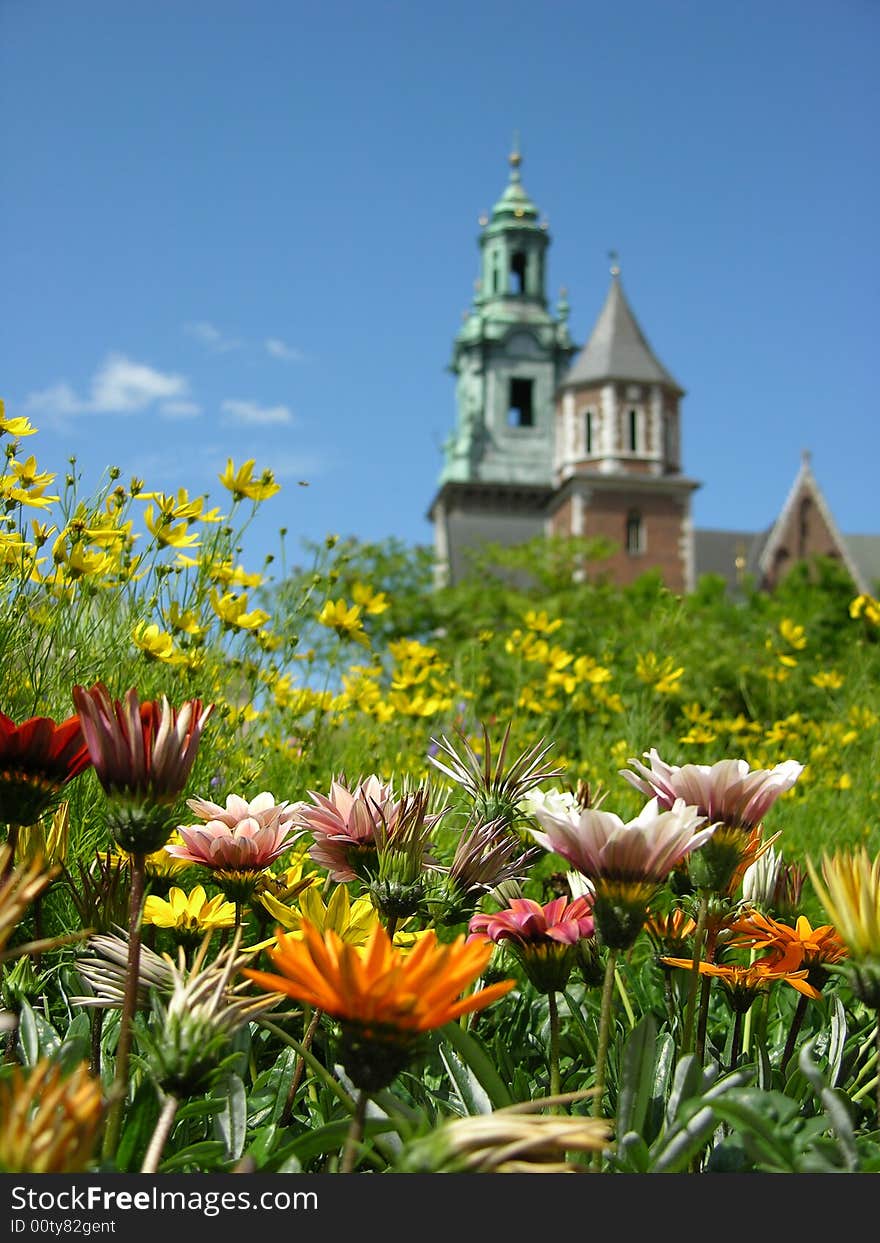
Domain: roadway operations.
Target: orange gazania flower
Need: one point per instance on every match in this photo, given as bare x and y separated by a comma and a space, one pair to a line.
378, 987
801, 946
743, 983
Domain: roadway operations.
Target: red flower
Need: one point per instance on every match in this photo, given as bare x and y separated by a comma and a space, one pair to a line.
37, 759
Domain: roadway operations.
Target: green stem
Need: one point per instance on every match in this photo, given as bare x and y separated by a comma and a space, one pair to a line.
129, 1005
624, 997
793, 1031
355, 1133
553, 1009
604, 1039
699, 934
736, 1042
160, 1135
705, 992
299, 1069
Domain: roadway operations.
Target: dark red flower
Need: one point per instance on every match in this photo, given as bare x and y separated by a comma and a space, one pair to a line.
37, 759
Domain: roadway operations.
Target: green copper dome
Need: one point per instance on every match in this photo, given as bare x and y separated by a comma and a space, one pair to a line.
514, 207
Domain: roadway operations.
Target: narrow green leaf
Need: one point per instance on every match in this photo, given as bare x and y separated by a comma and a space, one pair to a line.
472, 1052
637, 1075
28, 1035
205, 1152
633, 1153
230, 1124
675, 1152
837, 1043
466, 1087
686, 1082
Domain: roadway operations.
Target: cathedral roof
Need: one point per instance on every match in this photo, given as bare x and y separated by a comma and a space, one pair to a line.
617, 348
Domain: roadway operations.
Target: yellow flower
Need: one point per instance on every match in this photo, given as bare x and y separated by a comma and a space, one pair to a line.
15, 427
345, 620
849, 890
370, 601
540, 621
793, 634
26, 485
184, 620
828, 679
36, 842
867, 607
167, 534
241, 482
663, 676
351, 921
189, 915
231, 608
155, 643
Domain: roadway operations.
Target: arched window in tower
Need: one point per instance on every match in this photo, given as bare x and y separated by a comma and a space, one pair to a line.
635, 533
588, 432
633, 439
518, 272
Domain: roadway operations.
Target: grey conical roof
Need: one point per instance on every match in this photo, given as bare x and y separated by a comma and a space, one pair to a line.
617, 348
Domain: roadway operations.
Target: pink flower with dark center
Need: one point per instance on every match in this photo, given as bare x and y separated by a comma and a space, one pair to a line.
728, 792
347, 823
240, 837
526, 922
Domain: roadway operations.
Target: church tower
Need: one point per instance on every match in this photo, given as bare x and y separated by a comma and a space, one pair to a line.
508, 357
618, 452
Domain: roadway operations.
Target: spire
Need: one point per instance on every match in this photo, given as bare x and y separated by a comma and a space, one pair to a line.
617, 348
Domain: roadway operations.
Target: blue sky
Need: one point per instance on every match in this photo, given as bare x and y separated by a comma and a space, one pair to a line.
249, 230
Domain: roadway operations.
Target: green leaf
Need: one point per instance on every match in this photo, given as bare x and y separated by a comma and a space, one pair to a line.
473, 1053
660, 1087
674, 1152
686, 1082
230, 1124
28, 1035
205, 1152
329, 1138
837, 1042
633, 1153
140, 1122
466, 1087
637, 1075
76, 1045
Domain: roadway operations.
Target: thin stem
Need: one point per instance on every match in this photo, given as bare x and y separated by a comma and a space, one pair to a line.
604, 1039
129, 1005
11, 842
160, 1135
736, 1042
624, 997
553, 1009
299, 1068
705, 990
96, 1033
699, 934
355, 1133
793, 1031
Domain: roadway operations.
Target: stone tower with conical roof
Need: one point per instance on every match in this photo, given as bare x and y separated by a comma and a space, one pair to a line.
508, 357
618, 452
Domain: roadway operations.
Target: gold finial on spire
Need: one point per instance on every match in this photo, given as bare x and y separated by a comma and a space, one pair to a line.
615, 264
515, 157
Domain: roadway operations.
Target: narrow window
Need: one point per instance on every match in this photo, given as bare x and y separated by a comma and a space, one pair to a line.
635, 533
495, 281
518, 272
520, 412
804, 526
633, 431
588, 431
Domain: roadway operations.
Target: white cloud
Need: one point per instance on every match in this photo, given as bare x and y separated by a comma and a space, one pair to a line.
211, 336
180, 409
277, 348
119, 386
249, 412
